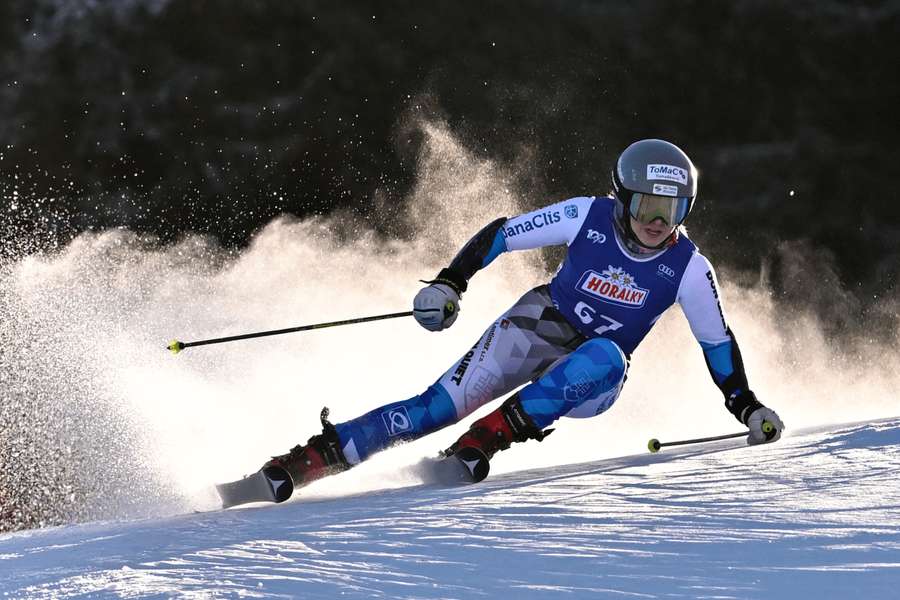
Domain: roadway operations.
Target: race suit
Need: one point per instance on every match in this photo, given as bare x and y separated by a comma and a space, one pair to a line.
571, 339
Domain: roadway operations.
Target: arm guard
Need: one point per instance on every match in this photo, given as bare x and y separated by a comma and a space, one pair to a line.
727, 369
478, 253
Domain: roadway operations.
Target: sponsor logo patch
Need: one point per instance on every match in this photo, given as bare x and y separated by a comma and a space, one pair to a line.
667, 173
596, 237
571, 211
615, 286
396, 421
664, 189
536, 222
666, 272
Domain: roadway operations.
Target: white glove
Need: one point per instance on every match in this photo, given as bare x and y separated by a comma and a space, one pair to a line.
755, 423
436, 306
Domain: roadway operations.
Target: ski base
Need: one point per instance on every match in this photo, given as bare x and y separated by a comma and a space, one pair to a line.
270, 484
469, 465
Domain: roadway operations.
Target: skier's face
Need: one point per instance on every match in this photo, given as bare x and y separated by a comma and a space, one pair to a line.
652, 234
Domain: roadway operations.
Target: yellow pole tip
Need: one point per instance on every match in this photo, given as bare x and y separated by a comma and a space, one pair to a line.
767, 427
175, 346
653, 445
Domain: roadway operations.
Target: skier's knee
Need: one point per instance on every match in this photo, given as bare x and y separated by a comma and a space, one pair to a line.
604, 359
586, 383
596, 379
596, 366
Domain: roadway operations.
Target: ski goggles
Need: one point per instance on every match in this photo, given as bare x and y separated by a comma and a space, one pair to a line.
646, 208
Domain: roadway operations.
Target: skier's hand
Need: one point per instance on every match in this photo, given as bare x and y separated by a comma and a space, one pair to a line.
436, 306
760, 433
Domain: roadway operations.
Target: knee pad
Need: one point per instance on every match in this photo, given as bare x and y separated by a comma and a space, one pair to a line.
584, 384
596, 360
594, 377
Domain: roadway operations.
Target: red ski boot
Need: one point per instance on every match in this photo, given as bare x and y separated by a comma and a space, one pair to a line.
497, 430
321, 456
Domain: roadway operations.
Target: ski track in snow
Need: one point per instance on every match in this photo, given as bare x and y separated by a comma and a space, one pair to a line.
816, 515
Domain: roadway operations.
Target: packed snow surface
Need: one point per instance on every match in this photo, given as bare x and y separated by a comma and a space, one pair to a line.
816, 515
102, 426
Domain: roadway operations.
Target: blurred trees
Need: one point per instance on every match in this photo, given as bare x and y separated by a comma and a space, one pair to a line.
214, 116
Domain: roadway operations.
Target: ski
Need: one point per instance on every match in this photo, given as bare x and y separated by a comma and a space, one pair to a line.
270, 484
468, 465
274, 484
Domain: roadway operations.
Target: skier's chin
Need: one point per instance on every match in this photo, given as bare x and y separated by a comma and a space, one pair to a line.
652, 239
653, 235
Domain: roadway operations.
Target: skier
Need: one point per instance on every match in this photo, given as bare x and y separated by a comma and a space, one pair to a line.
628, 260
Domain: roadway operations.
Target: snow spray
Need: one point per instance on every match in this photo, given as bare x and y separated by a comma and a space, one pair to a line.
99, 421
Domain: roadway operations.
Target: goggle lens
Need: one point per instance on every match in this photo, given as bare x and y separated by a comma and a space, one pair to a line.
646, 208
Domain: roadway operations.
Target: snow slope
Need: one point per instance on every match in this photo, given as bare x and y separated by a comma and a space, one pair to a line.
816, 515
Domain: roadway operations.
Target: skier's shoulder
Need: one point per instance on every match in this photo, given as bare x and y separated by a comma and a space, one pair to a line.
684, 244
580, 206
694, 265
587, 211
574, 206
604, 202
699, 273
697, 260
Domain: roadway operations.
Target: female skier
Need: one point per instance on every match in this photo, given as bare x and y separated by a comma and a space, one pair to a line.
628, 260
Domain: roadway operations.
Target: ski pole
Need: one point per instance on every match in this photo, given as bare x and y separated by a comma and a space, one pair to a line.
654, 445
176, 346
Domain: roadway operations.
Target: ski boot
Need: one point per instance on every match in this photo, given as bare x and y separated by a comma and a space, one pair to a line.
491, 434
321, 456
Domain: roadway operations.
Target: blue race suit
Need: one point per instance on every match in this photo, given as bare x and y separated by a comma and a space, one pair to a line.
572, 338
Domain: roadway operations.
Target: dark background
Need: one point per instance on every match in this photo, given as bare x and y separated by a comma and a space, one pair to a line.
214, 116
